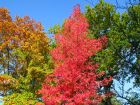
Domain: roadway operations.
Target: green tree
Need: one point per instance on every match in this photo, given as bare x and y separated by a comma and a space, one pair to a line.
122, 55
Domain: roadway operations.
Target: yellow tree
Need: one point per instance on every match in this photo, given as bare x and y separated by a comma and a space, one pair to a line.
24, 54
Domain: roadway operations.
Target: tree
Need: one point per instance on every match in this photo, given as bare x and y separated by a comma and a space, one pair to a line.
121, 56
24, 55
75, 80
26, 98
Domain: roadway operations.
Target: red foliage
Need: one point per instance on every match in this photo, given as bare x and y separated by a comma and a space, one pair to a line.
74, 81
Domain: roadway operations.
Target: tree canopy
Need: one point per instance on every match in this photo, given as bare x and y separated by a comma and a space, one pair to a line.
91, 59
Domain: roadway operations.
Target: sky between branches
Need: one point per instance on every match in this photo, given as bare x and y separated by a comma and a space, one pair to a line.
48, 12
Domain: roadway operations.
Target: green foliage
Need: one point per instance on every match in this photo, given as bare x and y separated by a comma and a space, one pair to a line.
104, 20
25, 98
24, 58
55, 29
114, 101
122, 54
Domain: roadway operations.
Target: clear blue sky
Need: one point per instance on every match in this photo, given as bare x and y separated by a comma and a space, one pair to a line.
48, 12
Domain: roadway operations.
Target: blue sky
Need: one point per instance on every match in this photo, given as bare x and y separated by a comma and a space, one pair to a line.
48, 12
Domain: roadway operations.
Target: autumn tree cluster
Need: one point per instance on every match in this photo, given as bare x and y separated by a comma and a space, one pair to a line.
75, 75
24, 59
91, 59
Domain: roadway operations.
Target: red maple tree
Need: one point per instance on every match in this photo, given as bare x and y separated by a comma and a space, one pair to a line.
74, 81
